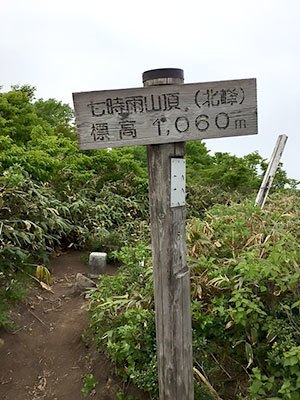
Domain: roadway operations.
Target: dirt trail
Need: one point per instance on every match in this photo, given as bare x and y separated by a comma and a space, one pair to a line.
45, 358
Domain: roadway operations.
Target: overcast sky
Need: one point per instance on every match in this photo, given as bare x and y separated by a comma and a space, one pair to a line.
64, 46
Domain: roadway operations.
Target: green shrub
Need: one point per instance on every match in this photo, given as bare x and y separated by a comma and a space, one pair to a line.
244, 266
89, 384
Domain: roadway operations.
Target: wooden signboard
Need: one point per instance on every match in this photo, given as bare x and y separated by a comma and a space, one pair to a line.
165, 114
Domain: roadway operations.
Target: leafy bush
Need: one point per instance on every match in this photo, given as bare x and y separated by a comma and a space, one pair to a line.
122, 318
245, 283
32, 219
53, 195
89, 384
245, 303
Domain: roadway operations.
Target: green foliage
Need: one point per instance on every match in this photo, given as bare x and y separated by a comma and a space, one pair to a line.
245, 275
58, 115
223, 169
17, 116
245, 303
233, 172
53, 195
229, 173
34, 221
122, 396
201, 197
12, 289
89, 384
244, 262
201, 392
38, 221
122, 318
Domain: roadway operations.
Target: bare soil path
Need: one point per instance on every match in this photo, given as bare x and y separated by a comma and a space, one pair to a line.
45, 357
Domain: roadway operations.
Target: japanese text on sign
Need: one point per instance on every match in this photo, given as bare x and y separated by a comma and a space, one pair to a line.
156, 115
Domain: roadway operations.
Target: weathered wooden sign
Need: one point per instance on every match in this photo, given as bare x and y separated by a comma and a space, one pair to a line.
166, 114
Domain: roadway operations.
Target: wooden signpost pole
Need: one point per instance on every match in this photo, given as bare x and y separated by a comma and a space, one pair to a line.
171, 274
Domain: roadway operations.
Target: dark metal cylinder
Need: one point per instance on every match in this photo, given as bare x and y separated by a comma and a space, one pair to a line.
163, 76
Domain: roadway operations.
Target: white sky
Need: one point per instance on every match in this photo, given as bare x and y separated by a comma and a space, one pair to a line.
68, 46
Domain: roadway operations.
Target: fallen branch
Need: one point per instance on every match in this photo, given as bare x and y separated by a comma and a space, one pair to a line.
205, 381
221, 366
38, 318
43, 284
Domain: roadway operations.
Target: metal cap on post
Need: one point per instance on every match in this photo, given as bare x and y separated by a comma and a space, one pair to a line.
163, 76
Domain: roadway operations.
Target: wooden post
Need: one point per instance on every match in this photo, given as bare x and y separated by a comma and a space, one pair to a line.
171, 274
271, 170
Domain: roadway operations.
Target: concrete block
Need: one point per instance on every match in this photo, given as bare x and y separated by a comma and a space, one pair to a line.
97, 264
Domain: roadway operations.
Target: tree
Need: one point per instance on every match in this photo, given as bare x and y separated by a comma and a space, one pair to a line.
17, 114
58, 115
